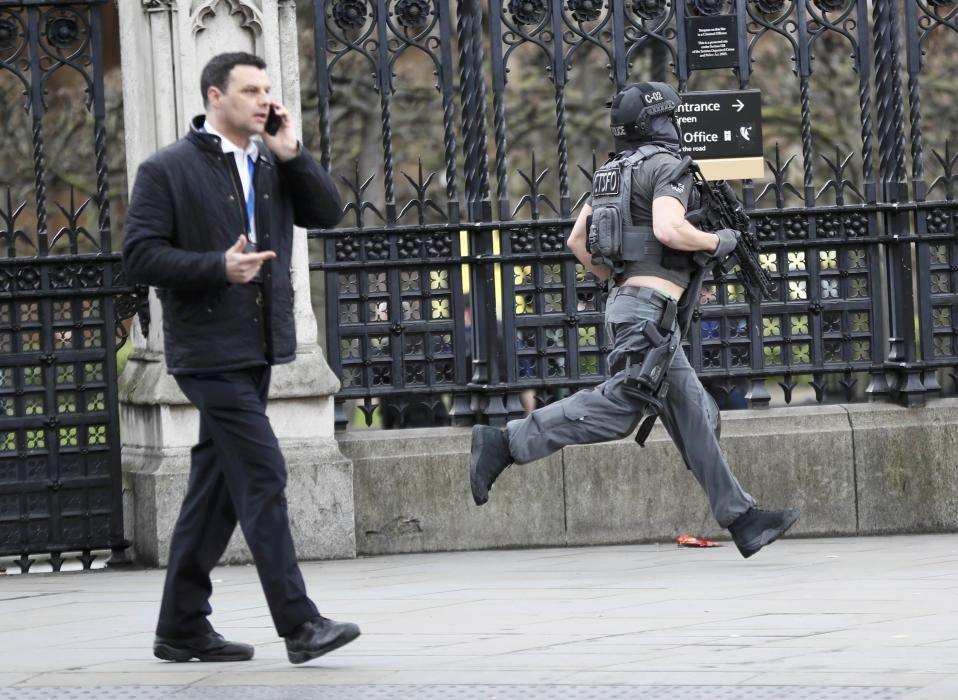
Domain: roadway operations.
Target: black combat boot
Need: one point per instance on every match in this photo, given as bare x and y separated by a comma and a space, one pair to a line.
490, 456
756, 528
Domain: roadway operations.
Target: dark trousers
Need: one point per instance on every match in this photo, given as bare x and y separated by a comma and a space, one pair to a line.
237, 473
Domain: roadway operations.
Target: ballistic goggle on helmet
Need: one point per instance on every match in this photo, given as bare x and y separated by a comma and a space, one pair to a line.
633, 108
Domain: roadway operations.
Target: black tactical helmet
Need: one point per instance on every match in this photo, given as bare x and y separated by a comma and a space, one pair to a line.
634, 106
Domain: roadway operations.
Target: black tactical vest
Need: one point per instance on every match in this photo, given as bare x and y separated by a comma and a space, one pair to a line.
614, 241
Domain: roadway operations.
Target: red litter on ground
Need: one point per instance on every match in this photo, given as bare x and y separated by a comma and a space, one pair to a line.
689, 541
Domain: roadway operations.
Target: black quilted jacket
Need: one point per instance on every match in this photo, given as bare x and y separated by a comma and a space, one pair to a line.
185, 210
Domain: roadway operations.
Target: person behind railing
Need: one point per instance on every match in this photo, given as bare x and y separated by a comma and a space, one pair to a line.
635, 236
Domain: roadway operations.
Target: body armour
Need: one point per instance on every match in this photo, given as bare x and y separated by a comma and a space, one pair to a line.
614, 240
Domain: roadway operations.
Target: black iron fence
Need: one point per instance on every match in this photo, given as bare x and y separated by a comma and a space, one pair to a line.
449, 282
437, 287
61, 296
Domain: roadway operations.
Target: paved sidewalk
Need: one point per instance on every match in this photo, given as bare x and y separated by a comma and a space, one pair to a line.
871, 618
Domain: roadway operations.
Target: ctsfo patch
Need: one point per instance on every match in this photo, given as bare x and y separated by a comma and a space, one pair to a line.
606, 182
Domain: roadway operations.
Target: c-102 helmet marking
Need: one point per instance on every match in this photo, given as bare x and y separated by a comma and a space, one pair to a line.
633, 108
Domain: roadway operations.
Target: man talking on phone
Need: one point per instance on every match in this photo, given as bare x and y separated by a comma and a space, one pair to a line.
210, 225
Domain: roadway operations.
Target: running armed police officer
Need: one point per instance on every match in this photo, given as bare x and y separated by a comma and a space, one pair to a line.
635, 232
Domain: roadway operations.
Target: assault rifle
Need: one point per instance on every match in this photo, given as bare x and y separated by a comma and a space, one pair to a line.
720, 208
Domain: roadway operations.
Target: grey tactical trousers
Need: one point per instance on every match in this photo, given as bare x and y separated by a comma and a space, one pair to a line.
612, 410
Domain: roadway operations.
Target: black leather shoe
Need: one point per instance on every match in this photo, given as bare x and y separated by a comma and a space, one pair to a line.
490, 456
210, 647
317, 637
756, 528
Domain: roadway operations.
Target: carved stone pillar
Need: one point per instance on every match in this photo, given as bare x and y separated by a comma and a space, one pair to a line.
165, 44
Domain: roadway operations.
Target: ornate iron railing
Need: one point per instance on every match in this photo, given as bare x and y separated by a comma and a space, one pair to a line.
861, 244
62, 299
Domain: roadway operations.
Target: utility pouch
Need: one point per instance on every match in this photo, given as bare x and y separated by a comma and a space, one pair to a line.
611, 186
605, 237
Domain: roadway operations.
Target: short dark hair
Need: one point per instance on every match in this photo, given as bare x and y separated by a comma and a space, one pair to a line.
217, 70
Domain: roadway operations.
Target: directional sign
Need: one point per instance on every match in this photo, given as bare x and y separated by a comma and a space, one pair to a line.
712, 41
722, 131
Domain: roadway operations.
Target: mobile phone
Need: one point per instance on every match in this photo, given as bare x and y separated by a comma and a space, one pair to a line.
273, 122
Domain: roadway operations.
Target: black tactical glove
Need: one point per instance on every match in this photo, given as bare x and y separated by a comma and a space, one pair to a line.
728, 240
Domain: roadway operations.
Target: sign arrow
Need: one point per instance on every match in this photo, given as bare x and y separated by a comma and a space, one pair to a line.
721, 124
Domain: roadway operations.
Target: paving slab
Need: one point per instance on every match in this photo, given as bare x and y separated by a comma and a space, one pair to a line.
872, 618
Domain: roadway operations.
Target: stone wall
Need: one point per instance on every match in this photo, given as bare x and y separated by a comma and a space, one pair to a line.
852, 470
855, 469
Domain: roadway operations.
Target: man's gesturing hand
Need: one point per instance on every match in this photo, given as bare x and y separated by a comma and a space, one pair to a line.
241, 266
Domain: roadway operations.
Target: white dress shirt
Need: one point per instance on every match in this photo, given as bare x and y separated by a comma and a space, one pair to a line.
240, 155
